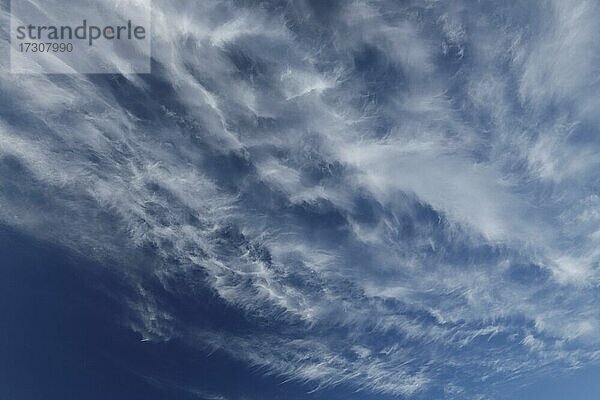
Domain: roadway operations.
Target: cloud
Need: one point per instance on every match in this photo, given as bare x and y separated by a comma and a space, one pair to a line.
396, 197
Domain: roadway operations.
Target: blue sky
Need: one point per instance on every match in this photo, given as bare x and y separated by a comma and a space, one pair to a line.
310, 200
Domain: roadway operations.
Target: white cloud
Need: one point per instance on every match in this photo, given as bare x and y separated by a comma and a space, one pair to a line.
380, 213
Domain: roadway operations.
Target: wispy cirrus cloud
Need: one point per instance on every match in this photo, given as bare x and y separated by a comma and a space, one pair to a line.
397, 197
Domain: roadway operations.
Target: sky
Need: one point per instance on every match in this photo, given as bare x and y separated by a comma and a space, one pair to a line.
309, 200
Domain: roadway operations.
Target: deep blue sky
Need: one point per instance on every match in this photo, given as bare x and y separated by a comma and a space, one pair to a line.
60, 338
